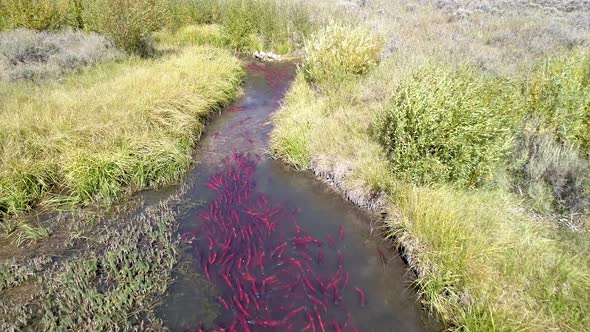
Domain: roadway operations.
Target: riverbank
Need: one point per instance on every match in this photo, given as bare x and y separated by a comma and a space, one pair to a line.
493, 241
110, 130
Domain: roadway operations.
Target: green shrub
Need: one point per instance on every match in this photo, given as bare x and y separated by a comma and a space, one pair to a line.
188, 12
447, 125
339, 51
559, 95
37, 14
265, 24
129, 23
210, 34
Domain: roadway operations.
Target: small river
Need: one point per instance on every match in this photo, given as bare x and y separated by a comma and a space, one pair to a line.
266, 248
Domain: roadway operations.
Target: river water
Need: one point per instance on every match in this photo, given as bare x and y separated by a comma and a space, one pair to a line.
266, 248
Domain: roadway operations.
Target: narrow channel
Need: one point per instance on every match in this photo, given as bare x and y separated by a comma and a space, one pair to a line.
266, 248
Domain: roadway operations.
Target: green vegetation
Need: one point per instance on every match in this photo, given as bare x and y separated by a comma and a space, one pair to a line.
247, 25
115, 281
559, 95
338, 52
448, 126
86, 140
487, 189
115, 285
209, 34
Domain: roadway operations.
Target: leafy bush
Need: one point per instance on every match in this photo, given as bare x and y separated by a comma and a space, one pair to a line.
559, 95
37, 14
339, 51
27, 54
264, 24
129, 23
188, 12
446, 125
550, 174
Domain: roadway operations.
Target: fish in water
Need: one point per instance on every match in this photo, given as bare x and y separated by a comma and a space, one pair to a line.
270, 272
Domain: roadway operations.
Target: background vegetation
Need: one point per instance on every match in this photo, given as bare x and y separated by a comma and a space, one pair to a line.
252, 25
31, 55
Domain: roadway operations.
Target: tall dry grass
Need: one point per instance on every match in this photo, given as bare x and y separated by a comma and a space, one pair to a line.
110, 130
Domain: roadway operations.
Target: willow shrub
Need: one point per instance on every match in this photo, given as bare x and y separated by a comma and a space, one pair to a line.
338, 51
37, 14
265, 25
448, 126
559, 94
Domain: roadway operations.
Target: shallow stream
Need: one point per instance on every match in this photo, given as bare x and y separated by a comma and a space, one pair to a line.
266, 248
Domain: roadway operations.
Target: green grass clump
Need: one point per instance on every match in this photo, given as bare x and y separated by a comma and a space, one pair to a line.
446, 125
209, 34
558, 93
110, 130
295, 119
490, 268
338, 52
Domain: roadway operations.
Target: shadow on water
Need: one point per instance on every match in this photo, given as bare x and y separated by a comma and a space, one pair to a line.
269, 249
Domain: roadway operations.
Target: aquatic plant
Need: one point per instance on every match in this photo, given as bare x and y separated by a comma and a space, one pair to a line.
270, 272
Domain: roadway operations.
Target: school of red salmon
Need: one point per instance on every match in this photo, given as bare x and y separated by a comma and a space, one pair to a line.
271, 274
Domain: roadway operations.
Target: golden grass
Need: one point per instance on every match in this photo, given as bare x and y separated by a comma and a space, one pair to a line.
113, 129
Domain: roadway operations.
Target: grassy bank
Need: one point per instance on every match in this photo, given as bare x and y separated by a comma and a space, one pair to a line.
111, 130
483, 171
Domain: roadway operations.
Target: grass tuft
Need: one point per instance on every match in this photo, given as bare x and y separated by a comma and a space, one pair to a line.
338, 52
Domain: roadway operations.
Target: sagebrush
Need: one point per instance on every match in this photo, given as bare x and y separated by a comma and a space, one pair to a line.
27, 54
